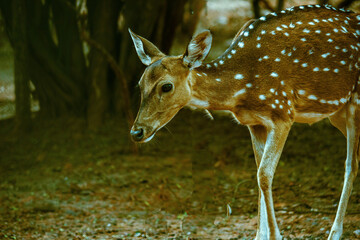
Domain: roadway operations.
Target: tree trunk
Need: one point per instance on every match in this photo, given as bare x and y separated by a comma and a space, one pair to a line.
70, 46
22, 86
280, 5
345, 3
323, 2
103, 16
256, 8
191, 17
172, 18
57, 61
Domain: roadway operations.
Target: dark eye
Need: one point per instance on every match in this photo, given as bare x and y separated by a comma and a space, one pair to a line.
166, 87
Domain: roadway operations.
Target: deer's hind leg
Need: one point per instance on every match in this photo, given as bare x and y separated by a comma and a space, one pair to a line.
348, 122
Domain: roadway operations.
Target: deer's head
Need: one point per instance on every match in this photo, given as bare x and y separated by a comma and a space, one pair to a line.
166, 85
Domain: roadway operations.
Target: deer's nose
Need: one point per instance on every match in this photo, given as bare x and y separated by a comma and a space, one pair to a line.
137, 135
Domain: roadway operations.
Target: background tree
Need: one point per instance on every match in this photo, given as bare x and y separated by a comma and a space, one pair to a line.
72, 78
22, 82
102, 25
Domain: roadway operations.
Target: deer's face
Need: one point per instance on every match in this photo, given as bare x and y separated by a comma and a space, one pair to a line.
165, 85
164, 91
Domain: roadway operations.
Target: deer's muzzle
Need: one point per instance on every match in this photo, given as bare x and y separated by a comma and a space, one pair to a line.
137, 135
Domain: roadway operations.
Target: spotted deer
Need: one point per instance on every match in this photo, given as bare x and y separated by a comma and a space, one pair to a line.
297, 65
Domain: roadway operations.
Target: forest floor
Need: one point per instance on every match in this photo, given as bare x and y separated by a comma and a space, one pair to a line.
61, 181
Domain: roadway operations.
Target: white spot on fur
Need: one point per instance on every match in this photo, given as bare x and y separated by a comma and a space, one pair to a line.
198, 103
312, 97
301, 92
242, 91
239, 76
262, 97
343, 100
274, 74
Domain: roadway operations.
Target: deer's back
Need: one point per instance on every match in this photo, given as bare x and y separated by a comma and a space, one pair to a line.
309, 55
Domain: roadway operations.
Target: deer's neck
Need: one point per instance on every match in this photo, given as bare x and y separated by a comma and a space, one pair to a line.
213, 90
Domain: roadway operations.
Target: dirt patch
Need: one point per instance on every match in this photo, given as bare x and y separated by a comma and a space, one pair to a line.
64, 182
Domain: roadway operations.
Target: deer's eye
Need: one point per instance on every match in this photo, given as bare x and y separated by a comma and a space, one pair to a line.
166, 87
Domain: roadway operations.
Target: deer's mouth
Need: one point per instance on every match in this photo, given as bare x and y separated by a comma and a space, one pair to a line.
148, 139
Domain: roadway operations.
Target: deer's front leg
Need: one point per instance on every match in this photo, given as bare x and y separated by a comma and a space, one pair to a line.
258, 138
276, 137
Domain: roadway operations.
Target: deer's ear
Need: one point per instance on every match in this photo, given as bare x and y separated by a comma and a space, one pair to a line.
147, 52
198, 49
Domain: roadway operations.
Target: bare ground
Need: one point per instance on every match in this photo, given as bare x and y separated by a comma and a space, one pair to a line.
63, 182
